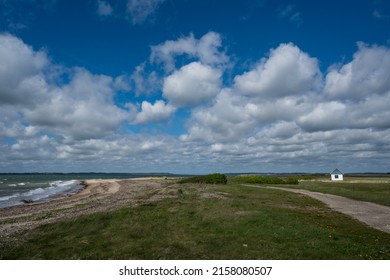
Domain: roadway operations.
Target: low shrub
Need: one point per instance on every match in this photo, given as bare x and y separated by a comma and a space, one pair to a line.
206, 179
264, 180
305, 177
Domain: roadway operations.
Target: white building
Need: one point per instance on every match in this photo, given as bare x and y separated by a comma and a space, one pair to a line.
336, 175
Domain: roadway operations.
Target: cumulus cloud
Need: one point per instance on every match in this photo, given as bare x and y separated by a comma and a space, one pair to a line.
11, 125
157, 112
207, 49
287, 71
325, 116
192, 84
20, 71
279, 88
82, 108
225, 121
280, 111
194, 55
366, 75
140, 10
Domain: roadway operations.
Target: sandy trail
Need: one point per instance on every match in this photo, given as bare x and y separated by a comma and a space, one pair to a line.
374, 215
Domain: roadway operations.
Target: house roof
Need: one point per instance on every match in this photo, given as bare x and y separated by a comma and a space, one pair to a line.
336, 171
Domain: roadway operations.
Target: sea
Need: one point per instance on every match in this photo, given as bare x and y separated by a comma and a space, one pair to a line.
18, 189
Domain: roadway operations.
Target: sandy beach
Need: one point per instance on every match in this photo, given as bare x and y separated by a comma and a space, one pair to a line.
97, 196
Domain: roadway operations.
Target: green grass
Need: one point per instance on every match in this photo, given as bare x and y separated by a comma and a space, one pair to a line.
236, 223
357, 188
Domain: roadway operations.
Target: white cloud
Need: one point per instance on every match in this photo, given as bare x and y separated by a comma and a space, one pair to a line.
12, 126
167, 51
104, 8
333, 115
225, 121
281, 115
157, 112
325, 116
279, 89
366, 75
122, 83
192, 84
145, 83
278, 113
38, 148
287, 71
140, 10
207, 49
281, 130
20, 71
126, 153
371, 113
83, 108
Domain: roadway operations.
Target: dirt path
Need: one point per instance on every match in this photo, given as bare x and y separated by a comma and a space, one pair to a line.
374, 215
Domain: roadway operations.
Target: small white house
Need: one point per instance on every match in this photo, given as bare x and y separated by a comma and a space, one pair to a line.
336, 175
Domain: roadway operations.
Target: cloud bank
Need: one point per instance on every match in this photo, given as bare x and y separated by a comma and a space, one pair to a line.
282, 114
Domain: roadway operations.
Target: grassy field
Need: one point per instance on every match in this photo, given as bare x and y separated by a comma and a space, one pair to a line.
375, 190
230, 222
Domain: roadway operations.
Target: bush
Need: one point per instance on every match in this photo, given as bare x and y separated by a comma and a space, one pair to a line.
291, 180
263, 180
206, 179
305, 177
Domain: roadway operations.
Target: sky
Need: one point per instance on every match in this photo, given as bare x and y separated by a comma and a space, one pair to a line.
194, 86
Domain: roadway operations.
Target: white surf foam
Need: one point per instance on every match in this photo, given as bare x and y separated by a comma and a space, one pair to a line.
55, 189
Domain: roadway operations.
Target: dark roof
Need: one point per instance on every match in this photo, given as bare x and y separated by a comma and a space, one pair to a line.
336, 171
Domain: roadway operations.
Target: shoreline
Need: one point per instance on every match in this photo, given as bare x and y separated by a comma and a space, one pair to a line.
85, 186
98, 195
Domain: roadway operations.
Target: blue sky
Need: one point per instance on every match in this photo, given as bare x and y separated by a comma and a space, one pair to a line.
188, 86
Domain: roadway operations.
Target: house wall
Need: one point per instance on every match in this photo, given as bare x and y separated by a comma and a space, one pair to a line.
339, 177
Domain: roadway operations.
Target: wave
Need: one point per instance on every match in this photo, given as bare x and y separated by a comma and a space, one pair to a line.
55, 189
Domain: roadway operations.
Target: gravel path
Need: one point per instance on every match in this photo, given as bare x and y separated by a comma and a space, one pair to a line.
374, 215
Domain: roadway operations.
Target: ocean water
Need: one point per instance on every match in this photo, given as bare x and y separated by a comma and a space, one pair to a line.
17, 188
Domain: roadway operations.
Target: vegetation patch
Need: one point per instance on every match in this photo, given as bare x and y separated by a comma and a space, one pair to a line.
263, 180
206, 179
